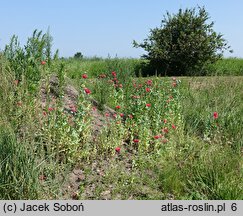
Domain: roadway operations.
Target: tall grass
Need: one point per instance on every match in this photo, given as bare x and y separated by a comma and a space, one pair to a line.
202, 97
141, 67
18, 169
94, 67
227, 66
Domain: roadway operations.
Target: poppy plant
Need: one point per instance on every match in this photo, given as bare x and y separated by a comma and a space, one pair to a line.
118, 107
113, 73
165, 130
215, 115
149, 82
147, 89
84, 76
50, 109
87, 91
136, 140
43, 62
148, 105
157, 136
118, 149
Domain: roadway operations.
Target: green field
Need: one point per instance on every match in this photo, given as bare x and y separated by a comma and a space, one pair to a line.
96, 66
118, 136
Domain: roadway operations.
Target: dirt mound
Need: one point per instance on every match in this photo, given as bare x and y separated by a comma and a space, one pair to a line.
50, 90
51, 87
69, 100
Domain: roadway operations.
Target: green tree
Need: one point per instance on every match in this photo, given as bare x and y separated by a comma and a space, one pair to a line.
78, 55
185, 43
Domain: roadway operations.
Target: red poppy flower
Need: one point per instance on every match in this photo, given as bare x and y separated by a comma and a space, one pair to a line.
165, 130
148, 105
118, 107
215, 115
173, 126
50, 108
44, 113
113, 73
118, 149
120, 85
84, 76
121, 114
149, 82
87, 91
136, 140
165, 121
147, 89
157, 136
107, 114
43, 62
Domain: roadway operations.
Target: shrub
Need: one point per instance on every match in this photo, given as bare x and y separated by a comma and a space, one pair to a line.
29, 61
184, 44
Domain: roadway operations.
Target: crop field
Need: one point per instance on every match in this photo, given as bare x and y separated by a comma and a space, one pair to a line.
98, 129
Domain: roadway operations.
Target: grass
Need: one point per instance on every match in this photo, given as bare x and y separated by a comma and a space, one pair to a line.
96, 66
19, 177
170, 144
228, 66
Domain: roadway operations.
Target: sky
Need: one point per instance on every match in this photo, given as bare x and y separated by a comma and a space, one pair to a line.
108, 27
